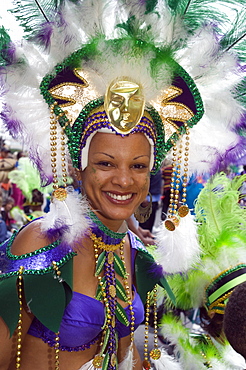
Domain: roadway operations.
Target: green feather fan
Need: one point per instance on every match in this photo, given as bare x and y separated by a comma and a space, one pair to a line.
221, 229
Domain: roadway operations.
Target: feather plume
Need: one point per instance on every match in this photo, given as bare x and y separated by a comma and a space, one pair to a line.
178, 250
32, 13
166, 362
194, 352
221, 224
68, 216
128, 361
27, 178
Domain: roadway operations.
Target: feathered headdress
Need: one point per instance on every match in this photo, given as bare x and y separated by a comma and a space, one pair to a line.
187, 69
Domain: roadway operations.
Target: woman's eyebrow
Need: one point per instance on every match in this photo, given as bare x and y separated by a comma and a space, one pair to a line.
109, 155
140, 156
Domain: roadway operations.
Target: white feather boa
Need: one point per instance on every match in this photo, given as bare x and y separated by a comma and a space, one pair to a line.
178, 250
69, 216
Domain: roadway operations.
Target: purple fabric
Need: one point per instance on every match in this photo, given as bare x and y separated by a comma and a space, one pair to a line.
82, 323
84, 317
42, 259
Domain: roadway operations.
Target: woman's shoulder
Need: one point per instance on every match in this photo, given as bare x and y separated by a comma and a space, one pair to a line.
29, 239
33, 250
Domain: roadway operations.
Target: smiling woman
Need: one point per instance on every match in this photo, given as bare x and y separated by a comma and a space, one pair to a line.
99, 86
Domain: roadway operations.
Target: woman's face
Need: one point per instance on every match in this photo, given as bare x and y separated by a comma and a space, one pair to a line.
116, 179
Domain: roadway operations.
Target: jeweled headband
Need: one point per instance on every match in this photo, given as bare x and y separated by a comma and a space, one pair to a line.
98, 122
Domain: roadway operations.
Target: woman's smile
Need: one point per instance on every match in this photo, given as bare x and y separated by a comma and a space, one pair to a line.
119, 197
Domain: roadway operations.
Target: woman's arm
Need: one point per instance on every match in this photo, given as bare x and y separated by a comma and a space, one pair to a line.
8, 345
26, 241
124, 345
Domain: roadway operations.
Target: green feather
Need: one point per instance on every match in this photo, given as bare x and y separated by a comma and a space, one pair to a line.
217, 210
105, 362
119, 266
31, 14
105, 340
4, 42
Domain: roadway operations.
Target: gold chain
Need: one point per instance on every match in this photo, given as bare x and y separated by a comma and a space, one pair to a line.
59, 193
19, 327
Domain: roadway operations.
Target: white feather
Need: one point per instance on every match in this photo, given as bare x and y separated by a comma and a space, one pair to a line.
71, 214
166, 362
178, 250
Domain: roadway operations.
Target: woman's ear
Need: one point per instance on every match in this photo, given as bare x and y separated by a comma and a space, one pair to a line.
78, 174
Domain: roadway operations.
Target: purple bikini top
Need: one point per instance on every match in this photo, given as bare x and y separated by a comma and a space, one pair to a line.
83, 320
82, 323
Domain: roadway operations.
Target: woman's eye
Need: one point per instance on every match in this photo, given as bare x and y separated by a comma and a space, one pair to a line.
104, 164
140, 166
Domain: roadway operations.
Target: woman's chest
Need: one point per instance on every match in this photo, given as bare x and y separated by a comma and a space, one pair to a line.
85, 269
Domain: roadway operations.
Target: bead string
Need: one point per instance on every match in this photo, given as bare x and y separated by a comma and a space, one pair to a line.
127, 289
57, 351
179, 161
146, 362
59, 193
109, 297
19, 327
57, 338
155, 353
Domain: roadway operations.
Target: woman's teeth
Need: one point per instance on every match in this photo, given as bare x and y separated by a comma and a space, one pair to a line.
119, 197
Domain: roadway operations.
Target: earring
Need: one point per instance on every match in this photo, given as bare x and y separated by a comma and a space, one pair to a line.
143, 213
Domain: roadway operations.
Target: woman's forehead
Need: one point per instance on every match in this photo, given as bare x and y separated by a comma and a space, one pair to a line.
114, 141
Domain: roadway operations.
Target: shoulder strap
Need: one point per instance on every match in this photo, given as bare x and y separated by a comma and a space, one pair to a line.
46, 292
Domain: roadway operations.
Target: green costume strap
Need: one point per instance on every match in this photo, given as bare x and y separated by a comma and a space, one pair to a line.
47, 277
148, 274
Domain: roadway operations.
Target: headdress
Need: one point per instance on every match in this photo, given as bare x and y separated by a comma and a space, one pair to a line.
79, 54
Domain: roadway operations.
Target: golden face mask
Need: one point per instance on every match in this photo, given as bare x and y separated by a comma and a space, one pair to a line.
124, 104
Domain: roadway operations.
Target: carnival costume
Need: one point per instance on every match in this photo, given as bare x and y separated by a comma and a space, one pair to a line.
118, 67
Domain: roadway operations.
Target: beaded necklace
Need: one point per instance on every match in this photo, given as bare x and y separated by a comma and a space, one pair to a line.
108, 264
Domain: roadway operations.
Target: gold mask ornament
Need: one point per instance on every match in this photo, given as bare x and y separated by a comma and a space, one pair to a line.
124, 104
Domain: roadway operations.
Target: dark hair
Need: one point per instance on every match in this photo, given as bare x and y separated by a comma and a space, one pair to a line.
8, 200
235, 319
212, 325
37, 196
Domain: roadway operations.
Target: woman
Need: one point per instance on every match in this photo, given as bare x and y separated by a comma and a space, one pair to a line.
115, 184
97, 94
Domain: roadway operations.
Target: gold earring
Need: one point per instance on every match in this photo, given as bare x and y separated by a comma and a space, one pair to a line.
143, 213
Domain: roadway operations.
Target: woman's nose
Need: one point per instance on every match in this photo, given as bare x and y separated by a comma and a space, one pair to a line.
122, 178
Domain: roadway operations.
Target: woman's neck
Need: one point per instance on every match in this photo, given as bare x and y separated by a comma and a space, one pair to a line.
118, 226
